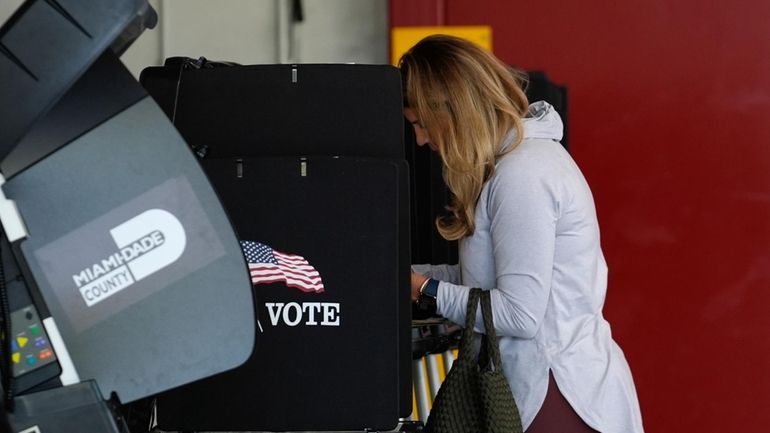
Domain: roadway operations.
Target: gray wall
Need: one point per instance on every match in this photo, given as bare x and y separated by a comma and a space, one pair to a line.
259, 31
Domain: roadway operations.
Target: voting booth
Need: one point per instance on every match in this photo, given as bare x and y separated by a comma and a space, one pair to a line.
309, 162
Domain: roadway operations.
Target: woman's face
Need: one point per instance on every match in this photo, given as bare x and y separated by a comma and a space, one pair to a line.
420, 133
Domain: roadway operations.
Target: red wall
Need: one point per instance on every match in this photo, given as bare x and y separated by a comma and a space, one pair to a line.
670, 122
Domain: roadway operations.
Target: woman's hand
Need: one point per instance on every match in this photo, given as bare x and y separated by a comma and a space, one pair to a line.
417, 281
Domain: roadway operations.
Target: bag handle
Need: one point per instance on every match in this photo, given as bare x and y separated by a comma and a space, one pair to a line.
466, 340
493, 348
490, 347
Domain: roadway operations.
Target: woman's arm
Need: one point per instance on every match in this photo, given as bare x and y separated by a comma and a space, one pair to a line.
421, 274
522, 206
450, 273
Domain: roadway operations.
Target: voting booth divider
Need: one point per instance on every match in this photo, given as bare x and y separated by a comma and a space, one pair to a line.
309, 163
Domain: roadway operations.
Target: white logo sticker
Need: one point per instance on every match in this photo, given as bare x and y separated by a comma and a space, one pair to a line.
146, 244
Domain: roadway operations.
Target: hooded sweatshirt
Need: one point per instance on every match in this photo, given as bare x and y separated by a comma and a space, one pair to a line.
536, 248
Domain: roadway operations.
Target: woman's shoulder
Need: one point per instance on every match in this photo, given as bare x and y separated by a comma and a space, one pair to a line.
533, 157
536, 168
528, 170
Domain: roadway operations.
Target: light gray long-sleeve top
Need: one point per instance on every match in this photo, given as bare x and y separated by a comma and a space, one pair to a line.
536, 247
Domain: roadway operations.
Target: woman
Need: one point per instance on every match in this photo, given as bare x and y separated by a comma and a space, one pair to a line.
527, 230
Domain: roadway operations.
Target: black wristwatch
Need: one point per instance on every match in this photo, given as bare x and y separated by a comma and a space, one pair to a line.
426, 302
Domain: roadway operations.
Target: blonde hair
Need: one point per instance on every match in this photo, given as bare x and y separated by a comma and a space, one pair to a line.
468, 100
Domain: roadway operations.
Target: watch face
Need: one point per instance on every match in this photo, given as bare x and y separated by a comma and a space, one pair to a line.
426, 304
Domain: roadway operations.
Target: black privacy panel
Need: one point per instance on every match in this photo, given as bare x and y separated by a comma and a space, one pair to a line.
282, 110
46, 46
330, 353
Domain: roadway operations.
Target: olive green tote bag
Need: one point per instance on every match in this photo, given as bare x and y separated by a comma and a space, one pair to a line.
475, 396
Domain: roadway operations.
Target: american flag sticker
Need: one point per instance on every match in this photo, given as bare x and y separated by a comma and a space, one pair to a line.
267, 265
